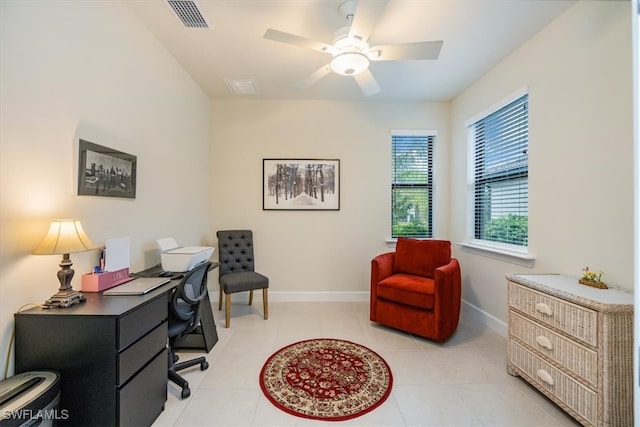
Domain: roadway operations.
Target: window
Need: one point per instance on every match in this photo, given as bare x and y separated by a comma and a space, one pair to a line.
411, 185
500, 189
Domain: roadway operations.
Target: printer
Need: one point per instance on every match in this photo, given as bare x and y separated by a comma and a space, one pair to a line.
178, 258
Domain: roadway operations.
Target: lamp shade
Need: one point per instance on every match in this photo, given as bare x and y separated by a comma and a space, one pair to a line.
65, 236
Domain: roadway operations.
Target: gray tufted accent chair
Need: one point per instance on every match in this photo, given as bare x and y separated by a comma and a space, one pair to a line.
237, 269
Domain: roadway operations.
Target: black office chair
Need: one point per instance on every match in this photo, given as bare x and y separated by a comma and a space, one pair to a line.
237, 272
184, 317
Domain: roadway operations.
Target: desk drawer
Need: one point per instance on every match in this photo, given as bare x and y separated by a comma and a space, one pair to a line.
579, 398
142, 399
577, 358
135, 356
574, 320
140, 321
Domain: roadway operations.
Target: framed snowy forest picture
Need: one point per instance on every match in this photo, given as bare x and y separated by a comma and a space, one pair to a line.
301, 184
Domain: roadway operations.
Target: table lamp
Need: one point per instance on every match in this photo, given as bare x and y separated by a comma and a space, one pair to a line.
65, 236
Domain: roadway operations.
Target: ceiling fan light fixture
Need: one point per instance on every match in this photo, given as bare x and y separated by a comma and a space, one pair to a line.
349, 63
343, 42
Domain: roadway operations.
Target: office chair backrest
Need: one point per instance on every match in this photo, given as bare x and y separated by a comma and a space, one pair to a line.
235, 250
190, 292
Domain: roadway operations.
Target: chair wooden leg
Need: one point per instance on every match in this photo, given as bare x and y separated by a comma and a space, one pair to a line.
251, 297
220, 300
227, 313
265, 303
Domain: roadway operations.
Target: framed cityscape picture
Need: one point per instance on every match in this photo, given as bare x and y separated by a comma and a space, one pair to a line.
301, 184
106, 172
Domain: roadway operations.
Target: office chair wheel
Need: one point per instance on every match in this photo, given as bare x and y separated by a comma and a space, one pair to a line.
186, 392
204, 365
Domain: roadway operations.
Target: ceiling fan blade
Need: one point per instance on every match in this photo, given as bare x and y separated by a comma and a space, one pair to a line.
281, 36
365, 18
314, 77
367, 83
407, 51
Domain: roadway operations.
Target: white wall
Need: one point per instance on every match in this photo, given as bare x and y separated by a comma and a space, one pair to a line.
318, 251
90, 70
578, 70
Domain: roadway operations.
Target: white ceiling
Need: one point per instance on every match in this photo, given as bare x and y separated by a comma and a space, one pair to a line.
477, 34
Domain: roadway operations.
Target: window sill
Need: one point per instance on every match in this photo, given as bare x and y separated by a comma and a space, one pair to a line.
391, 241
500, 254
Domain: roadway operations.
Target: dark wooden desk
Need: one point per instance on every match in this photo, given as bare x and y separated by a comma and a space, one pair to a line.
111, 353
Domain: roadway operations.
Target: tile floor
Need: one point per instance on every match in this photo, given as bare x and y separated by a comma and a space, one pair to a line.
460, 383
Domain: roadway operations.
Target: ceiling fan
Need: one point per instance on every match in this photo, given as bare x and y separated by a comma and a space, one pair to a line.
350, 50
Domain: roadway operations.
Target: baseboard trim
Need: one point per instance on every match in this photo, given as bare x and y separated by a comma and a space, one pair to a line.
468, 312
474, 314
313, 296
320, 296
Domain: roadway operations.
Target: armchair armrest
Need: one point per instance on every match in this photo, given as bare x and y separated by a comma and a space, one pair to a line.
381, 268
447, 282
448, 296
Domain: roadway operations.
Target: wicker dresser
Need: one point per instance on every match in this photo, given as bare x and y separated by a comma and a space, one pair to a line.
574, 343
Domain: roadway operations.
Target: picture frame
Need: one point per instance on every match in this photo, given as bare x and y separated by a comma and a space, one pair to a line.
105, 172
301, 184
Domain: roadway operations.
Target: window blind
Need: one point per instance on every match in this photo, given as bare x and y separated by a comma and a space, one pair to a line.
501, 186
411, 185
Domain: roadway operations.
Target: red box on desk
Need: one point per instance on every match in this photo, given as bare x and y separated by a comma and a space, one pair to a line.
97, 282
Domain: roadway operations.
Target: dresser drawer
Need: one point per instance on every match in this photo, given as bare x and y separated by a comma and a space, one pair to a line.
135, 356
579, 398
576, 321
577, 358
137, 323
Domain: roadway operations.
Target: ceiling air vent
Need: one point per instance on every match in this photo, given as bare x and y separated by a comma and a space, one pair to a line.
188, 13
241, 86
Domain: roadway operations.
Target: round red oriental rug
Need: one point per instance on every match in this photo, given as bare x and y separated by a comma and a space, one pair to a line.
326, 379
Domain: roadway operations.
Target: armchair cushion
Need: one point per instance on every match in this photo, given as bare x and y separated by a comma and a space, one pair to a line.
407, 289
421, 257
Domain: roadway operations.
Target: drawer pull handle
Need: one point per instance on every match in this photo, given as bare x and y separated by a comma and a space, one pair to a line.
545, 376
544, 309
544, 342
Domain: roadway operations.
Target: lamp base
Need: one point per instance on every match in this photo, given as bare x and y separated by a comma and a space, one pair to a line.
65, 299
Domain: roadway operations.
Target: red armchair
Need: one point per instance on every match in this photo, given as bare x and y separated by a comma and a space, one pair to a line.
417, 288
